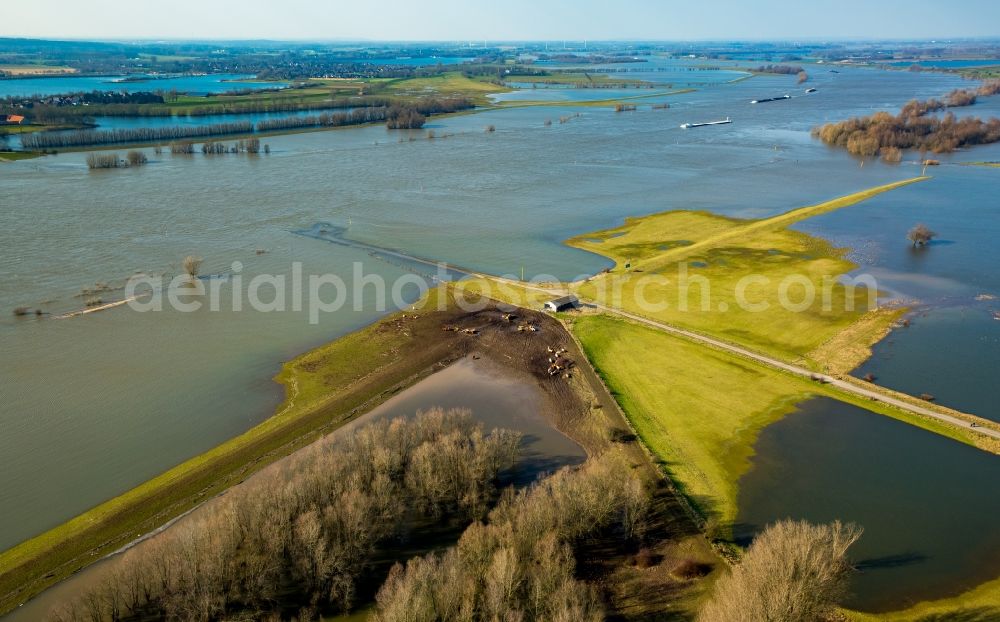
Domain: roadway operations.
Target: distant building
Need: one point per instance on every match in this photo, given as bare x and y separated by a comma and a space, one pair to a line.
562, 304
14, 119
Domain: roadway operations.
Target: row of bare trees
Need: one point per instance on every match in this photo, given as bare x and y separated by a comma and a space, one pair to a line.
297, 538
111, 160
519, 565
357, 116
788, 70
58, 140
249, 145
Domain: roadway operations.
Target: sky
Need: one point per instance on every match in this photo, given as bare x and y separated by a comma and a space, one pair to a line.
501, 20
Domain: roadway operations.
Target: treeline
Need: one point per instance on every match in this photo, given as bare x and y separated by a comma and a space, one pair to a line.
355, 117
83, 97
886, 135
50, 113
250, 145
956, 99
296, 541
413, 115
408, 115
779, 69
520, 564
57, 140
104, 160
285, 105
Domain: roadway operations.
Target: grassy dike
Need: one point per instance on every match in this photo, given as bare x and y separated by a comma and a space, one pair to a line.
980, 604
325, 388
699, 409
14, 156
663, 251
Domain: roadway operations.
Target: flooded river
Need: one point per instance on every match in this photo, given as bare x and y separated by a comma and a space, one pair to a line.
97, 404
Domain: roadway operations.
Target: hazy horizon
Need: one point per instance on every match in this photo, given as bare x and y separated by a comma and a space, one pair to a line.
516, 20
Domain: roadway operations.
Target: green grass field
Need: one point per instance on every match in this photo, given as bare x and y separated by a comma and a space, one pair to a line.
578, 79
700, 409
27, 128
595, 103
980, 604
990, 72
310, 94
697, 409
13, 156
450, 84
22, 128
29, 69
713, 255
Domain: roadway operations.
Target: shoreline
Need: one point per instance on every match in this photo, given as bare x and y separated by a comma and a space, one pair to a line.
295, 391
312, 412
304, 130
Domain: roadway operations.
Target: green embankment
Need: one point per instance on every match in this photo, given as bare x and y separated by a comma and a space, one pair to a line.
980, 604
592, 103
700, 409
578, 79
986, 72
13, 156
715, 254
325, 388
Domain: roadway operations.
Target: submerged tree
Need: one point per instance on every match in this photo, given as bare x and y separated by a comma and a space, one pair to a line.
920, 235
192, 264
793, 571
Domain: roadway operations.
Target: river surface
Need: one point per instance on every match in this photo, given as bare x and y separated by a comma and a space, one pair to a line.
96, 404
193, 85
948, 63
494, 398
928, 505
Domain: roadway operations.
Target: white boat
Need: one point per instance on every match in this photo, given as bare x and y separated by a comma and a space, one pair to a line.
722, 122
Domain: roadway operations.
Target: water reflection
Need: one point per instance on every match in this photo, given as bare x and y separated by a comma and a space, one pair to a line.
927, 503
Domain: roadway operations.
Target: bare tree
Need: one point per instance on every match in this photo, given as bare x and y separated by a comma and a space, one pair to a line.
520, 564
136, 158
920, 235
304, 535
793, 572
192, 264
